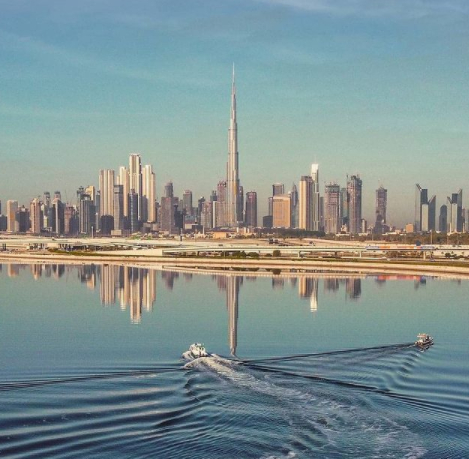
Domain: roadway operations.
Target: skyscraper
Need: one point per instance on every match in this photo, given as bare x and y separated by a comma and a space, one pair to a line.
421, 197
87, 215
148, 213
354, 200
281, 216
278, 188
425, 210
332, 222
305, 196
35, 216
381, 205
455, 216
106, 189
294, 206
315, 198
232, 172
251, 209
443, 219
12, 208
124, 180
187, 202
118, 207
135, 180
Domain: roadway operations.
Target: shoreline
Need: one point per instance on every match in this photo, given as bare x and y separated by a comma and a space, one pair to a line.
248, 266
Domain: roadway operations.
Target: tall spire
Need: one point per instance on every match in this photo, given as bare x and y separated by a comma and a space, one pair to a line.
232, 173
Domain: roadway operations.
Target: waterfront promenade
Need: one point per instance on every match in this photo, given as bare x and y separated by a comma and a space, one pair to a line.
249, 255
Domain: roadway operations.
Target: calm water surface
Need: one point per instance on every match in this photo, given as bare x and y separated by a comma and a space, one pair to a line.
307, 366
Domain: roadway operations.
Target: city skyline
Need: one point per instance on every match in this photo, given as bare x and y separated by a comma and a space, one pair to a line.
361, 99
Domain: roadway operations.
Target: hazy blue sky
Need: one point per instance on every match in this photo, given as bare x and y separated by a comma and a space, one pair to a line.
376, 87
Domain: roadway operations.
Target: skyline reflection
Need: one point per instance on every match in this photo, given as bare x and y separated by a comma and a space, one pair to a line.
134, 288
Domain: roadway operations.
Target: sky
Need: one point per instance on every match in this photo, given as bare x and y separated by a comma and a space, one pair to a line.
374, 87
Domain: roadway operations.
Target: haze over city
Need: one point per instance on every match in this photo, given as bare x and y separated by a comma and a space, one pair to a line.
374, 88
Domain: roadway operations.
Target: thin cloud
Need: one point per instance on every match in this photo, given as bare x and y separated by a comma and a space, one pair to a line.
73, 58
403, 8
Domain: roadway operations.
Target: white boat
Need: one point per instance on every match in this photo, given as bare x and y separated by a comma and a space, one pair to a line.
424, 340
196, 351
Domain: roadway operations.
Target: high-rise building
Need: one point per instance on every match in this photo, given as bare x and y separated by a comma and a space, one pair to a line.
343, 208
169, 213
12, 208
381, 204
443, 219
206, 219
3, 222
380, 210
332, 223
118, 207
187, 202
455, 216
425, 210
87, 215
250, 215
133, 199
168, 190
421, 197
124, 180
278, 188
106, 191
148, 194
232, 169
58, 223
35, 216
91, 192
354, 200
281, 217
135, 180
71, 227
305, 198
315, 211
294, 206
429, 215
219, 214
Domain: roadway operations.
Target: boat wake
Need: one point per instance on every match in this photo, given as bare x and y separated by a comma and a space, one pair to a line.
317, 412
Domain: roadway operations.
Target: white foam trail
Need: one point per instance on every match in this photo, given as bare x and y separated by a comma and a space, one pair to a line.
327, 413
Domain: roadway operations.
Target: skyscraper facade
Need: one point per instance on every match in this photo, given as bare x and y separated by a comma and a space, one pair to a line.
187, 202
380, 212
455, 214
12, 208
148, 212
118, 207
332, 222
135, 180
232, 171
315, 211
354, 200
281, 217
35, 216
251, 209
443, 219
305, 197
421, 197
106, 189
425, 210
294, 206
381, 204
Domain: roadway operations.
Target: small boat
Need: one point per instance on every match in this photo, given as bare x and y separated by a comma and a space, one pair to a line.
424, 340
196, 351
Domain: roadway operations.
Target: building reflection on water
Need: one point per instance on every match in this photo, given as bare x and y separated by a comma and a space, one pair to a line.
134, 288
